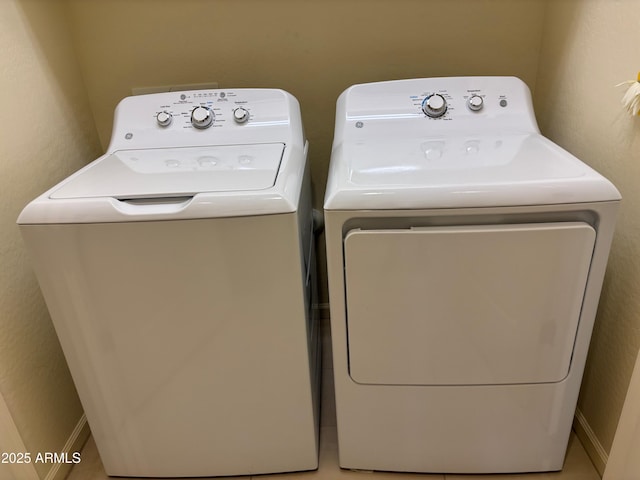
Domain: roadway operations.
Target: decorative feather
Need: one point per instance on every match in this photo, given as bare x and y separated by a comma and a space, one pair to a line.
631, 99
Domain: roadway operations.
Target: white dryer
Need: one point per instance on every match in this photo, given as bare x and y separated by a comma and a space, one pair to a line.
178, 271
466, 254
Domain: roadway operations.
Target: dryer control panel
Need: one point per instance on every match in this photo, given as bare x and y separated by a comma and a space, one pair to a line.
204, 117
436, 106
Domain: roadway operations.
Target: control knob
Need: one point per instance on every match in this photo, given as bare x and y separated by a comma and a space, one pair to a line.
164, 118
475, 103
202, 117
241, 115
434, 106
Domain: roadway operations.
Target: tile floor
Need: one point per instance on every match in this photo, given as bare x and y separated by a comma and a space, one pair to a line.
577, 467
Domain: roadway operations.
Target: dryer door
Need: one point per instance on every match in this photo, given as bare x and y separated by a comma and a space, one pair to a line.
466, 305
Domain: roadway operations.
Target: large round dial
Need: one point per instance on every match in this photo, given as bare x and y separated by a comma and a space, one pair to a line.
475, 103
202, 117
434, 105
164, 118
241, 115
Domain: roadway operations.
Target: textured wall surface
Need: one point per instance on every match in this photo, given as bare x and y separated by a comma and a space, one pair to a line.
47, 132
588, 47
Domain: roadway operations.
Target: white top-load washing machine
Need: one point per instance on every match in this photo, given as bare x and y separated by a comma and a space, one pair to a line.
178, 270
466, 254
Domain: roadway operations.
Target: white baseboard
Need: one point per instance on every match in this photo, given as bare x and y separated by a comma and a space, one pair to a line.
11, 442
590, 442
76, 440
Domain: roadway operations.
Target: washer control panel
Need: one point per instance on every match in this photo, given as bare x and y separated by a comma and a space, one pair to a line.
204, 109
437, 105
204, 117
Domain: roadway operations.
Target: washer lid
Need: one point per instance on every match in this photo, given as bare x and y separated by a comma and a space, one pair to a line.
174, 172
464, 171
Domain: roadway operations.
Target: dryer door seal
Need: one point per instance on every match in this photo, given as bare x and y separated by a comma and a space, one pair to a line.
465, 305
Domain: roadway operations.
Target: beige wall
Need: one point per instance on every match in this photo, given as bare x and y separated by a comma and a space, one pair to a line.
46, 134
588, 47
